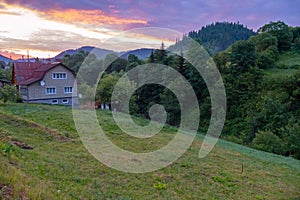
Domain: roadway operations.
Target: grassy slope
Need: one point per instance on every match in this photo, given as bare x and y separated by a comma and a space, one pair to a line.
287, 64
59, 168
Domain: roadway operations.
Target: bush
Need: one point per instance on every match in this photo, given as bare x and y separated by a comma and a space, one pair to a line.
9, 93
294, 140
268, 141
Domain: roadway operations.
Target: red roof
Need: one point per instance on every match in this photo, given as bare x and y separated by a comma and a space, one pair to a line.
27, 72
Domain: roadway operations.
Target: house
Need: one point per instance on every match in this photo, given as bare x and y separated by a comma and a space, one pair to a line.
51, 83
4, 82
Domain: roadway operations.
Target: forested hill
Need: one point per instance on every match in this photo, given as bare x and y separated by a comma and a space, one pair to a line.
220, 35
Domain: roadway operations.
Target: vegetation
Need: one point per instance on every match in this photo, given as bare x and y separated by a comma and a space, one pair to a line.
263, 101
261, 75
218, 36
9, 93
59, 167
5, 73
42, 157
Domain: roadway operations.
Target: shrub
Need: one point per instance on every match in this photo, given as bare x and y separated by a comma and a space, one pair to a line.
294, 137
9, 93
268, 141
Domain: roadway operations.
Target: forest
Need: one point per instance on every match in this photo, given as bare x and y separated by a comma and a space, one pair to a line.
263, 91
260, 70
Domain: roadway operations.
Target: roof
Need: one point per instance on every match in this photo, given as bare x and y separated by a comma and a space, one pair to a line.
27, 73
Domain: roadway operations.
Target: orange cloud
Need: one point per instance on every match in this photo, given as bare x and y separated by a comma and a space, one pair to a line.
11, 54
90, 17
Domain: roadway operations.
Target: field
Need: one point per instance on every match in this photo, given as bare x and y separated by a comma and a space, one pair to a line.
42, 157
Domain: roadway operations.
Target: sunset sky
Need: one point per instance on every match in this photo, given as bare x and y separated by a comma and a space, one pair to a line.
47, 27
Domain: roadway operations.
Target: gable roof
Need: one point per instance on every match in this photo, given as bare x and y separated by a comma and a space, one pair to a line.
26, 73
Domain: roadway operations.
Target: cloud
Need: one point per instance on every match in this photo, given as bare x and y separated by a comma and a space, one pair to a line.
69, 13
183, 15
49, 40
8, 13
71, 24
55, 41
10, 54
92, 17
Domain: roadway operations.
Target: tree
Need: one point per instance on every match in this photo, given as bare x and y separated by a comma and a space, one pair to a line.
75, 61
5, 73
8, 93
151, 58
90, 70
105, 88
219, 36
133, 59
221, 59
114, 64
122, 92
281, 31
267, 58
294, 139
86, 93
242, 56
2, 64
264, 40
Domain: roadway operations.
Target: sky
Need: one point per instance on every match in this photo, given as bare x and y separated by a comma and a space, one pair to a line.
43, 28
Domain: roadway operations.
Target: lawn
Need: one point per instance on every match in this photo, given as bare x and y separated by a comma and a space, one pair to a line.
59, 166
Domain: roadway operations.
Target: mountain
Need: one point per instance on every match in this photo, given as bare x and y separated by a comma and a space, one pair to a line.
142, 53
219, 36
5, 59
101, 53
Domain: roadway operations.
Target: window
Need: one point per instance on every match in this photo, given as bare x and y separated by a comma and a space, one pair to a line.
55, 101
68, 90
23, 90
65, 101
59, 75
50, 90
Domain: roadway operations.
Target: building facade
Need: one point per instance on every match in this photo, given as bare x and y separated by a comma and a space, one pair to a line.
51, 83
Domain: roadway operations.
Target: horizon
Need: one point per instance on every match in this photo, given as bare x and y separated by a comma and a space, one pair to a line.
48, 28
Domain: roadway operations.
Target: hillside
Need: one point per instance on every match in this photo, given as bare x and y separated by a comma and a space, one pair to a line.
5, 59
59, 167
101, 53
142, 53
218, 36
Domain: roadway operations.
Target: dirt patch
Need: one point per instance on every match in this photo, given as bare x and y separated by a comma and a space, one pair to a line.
23, 196
21, 145
6, 192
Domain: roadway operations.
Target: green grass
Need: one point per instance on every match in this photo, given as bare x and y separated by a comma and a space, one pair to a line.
289, 59
59, 167
287, 64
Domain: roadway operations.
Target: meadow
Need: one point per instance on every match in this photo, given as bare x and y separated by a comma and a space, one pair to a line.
42, 157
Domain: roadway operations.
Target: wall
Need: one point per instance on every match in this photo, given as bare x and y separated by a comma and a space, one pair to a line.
38, 92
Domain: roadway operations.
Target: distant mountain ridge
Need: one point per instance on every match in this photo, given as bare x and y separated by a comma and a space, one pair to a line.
142, 53
101, 53
5, 59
